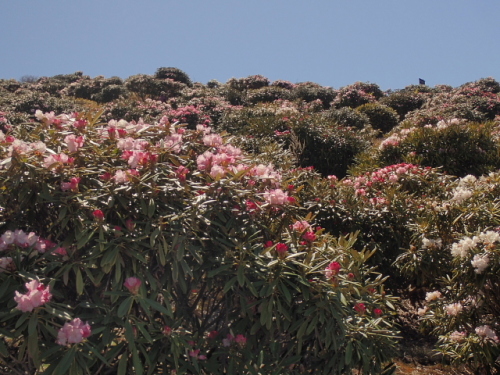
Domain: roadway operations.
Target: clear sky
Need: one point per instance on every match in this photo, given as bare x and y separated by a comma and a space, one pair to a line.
392, 43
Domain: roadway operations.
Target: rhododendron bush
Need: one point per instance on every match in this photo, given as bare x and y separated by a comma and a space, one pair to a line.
134, 247
159, 225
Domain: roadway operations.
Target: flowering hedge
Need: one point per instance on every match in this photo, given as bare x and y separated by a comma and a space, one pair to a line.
130, 247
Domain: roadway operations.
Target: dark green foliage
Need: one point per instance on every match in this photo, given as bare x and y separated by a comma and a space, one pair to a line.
329, 147
148, 86
110, 93
403, 102
381, 117
310, 91
267, 94
347, 116
456, 149
283, 84
249, 83
484, 84
174, 74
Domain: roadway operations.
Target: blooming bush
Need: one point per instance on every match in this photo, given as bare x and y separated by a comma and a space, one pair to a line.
465, 314
164, 249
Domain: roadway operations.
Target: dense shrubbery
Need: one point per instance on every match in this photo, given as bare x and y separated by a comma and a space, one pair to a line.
381, 117
153, 244
458, 148
157, 237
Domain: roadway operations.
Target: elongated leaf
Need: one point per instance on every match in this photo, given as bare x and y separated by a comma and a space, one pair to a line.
124, 307
79, 281
66, 361
240, 274
122, 365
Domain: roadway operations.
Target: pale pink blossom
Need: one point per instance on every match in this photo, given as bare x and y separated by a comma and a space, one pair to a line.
453, 309
37, 295
276, 197
6, 263
213, 140
487, 333
457, 336
217, 172
431, 296
300, 225
72, 185
173, 142
57, 158
204, 161
73, 332
74, 142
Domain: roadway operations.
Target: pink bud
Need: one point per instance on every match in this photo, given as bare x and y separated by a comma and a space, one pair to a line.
132, 284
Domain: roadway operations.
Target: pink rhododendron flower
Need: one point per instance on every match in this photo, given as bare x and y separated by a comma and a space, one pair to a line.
377, 312
74, 142
487, 333
181, 173
213, 140
360, 308
6, 264
130, 225
240, 340
57, 158
309, 236
72, 185
132, 284
281, 249
332, 269
73, 332
98, 215
19, 238
212, 334
37, 295
276, 197
228, 340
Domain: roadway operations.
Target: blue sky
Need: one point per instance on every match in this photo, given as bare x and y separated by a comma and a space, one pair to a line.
332, 42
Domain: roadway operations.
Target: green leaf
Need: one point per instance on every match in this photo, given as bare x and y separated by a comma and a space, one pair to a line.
33, 323
122, 365
66, 361
124, 307
348, 353
158, 307
154, 235
79, 281
286, 293
33, 349
218, 270
3, 349
58, 313
229, 285
240, 274
139, 369
151, 208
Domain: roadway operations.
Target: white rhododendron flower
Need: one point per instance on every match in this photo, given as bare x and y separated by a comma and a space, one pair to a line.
453, 309
431, 296
480, 262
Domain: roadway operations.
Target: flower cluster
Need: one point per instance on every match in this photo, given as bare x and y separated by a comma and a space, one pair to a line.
73, 332
37, 295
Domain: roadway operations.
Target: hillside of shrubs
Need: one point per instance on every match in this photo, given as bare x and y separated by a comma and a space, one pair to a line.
156, 225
